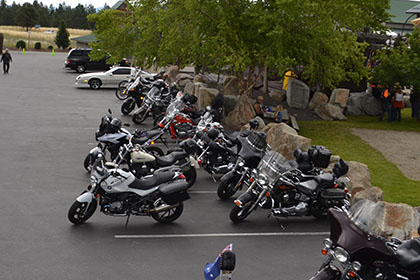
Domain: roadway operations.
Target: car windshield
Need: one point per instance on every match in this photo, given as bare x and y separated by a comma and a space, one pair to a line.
367, 215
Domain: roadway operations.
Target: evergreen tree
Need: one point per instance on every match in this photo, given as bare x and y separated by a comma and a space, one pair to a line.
62, 37
27, 16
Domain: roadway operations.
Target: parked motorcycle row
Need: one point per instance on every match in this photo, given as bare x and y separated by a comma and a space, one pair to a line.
131, 175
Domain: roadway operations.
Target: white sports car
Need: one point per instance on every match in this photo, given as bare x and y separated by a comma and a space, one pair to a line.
111, 78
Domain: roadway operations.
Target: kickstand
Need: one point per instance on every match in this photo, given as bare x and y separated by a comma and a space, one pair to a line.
214, 179
281, 225
126, 222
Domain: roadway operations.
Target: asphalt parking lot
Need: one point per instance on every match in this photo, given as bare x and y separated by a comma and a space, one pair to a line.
47, 128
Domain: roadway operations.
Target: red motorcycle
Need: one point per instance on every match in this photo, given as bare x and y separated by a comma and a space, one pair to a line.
356, 250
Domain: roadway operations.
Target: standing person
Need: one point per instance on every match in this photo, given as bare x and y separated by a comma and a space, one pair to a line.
386, 102
397, 104
414, 100
259, 107
279, 114
6, 58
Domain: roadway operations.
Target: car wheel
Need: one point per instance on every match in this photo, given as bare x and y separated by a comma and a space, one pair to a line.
95, 84
80, 68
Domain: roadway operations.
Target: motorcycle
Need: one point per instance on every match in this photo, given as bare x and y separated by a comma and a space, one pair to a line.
251, 149
120, 193
275, 185
355, 249
135, 84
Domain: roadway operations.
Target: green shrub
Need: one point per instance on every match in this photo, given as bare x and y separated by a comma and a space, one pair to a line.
38, 45
50, 47
20, 44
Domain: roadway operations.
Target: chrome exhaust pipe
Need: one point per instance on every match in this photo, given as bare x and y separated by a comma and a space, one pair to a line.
162, 208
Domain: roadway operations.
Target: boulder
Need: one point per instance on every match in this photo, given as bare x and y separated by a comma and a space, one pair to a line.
374, 194
285, 140
229, 103
199, 79
354, 104
277, 95
189, 88
261, 124
330, 112
241, 114
406, 101
205, 96
230, 86
297, 94
339, 97
370, 105
172, 72
354, 111
359, 176
319, 98
182, 79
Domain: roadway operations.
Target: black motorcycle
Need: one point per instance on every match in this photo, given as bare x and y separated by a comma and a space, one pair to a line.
356, 250
275, 185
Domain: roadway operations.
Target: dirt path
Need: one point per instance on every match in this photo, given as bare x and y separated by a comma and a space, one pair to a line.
400, 147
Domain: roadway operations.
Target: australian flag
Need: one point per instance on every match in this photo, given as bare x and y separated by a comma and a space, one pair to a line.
212, 270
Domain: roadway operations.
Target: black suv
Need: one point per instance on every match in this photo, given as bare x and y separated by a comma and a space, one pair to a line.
79, 60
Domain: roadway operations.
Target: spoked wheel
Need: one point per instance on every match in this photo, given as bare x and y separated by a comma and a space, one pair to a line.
170, 215
190, 176
128, 106
121, 92
155, 151
87, 163
139, 117
78, 214
238, 214
224, 191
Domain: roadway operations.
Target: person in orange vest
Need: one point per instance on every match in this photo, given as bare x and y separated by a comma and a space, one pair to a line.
386, 101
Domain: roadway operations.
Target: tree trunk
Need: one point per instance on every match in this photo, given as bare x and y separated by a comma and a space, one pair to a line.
1, 43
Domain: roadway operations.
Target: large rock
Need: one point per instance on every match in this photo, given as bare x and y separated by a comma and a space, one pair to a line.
359, 176
229, 103
277, 95
189, 88
374, 194
354, 104
183, 79
261, 124
339, 97
241, 114
230, 86
199, 79
330, 112
371, 106
297, 94
319, 98
285, 140
172, 72
205, 96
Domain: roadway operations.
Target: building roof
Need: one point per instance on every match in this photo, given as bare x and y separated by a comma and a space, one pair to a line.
399, 10
414, 10
118, 5
85, 39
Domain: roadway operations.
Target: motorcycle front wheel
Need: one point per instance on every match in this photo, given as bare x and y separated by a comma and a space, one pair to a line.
77, 213
87, 163
190, 176
127, 106
170, 215
224, 191
238, 214
119, 92
139, 117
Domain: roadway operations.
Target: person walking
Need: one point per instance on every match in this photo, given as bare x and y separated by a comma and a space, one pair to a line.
386, 102
398, 104
6, 58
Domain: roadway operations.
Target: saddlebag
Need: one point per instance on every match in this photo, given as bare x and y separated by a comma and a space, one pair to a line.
333, 194
320, 156
175, 192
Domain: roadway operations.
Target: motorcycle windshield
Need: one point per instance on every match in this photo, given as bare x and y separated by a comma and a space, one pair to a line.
205, 119
272, 165
153, 94
365, 214
174, 107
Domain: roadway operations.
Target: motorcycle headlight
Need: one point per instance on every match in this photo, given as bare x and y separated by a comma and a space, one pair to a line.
341, 255
328, 243
93, 180
262, 179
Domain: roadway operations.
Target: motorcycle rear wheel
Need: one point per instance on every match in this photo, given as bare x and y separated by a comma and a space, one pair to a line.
76, 215
170, 215
155, 151
140, 117
225, 191
238, 214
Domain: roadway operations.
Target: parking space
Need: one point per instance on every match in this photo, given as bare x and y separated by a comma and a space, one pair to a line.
47, 128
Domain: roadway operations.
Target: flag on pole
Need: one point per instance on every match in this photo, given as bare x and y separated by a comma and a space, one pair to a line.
212, 270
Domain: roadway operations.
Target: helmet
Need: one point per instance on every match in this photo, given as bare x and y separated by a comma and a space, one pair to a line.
115, 124
254, 123
213, 133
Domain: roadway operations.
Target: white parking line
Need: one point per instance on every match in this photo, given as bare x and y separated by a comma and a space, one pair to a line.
203, 192
245, 234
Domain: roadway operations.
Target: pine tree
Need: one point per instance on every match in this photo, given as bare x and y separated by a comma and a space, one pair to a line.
62, 37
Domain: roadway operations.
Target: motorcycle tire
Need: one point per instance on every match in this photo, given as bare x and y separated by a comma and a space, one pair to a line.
74, 214
140, 117
238, 214
119, 93
190, 176
155, 151
225, 191
158, 120
128, 106
87, 163
170, 215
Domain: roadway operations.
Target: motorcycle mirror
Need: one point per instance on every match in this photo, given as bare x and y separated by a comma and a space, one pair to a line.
109, 111
208, 108
126, 124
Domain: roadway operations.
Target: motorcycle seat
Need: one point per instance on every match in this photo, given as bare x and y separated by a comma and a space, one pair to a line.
408, 254
308, 187
170, 159
152, 181
153, 133
140, 140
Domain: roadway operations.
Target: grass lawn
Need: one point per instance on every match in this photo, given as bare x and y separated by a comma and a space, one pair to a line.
338, 138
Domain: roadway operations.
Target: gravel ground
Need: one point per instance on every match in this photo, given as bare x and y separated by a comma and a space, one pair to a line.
400, 147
